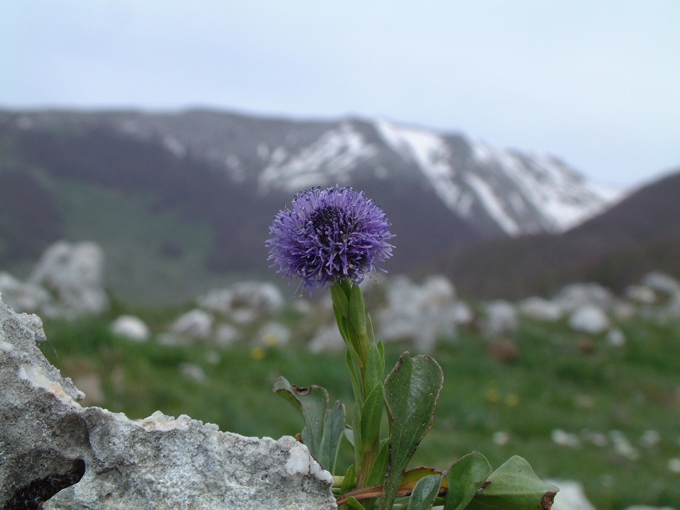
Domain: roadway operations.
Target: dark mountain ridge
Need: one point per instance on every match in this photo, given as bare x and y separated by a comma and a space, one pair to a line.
637, 235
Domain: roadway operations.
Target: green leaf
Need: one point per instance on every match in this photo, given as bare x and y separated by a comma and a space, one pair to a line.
464, 478
349, 481
354, 504
413, 476
371, 331
312, 402
425, 492
411, 393
379, 469
375, 370
332, 434
371, 415
514, 485
356, 382
357, 312
340, 300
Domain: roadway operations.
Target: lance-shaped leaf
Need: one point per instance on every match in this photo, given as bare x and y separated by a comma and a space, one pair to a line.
334, 427
411, 393
371, 415
425, 492
357, 311
375, 369
312, 402
464, 479
380, 466
514, 485
340, 300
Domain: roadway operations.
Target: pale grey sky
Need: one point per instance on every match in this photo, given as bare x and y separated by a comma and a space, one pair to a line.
596, 83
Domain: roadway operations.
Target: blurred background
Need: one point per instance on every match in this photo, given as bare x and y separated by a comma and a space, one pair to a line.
527, 154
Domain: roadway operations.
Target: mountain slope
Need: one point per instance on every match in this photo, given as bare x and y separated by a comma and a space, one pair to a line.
638, 235
231, 173
497, 192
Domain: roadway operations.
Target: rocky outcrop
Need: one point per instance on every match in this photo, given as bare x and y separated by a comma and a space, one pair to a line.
75, 274
68, 281
55, 451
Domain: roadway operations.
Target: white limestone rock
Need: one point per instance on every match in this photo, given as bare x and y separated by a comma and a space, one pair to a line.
195, 324
131, 327
420, 313
540, 309
501, 316
82, 458
576, 295
661, 282
23, 297
244, 302
571, 496
589, 319
75, 274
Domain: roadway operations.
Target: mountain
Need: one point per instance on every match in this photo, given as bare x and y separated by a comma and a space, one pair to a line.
200, 187
616, 248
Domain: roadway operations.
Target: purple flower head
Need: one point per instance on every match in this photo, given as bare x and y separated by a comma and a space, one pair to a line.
328, 235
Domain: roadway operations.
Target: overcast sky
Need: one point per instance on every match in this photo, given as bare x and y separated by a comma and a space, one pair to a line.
596, 83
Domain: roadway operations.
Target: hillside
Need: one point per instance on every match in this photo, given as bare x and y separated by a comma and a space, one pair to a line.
178, 200
638, 235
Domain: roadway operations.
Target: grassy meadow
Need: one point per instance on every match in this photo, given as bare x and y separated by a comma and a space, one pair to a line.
605, 399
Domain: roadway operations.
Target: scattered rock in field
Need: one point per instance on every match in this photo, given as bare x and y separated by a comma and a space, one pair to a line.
589, 319
571, 496
244, 302
563, 438
226, 335
192, 371
503, 350
501, 317
641, 294
420, 313
131, 327
74, 273
616, 338
577, 295
196, 324
661, 282
541, 309
23, 297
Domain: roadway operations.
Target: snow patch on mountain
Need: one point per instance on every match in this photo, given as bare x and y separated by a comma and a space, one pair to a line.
329, 160
562, 196
521, 193
431, 154
493, 204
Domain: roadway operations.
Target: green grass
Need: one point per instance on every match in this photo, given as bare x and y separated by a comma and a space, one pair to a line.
552, 385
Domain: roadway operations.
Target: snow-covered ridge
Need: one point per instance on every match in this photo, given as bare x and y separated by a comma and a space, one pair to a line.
493, 190
327, 161
520, 193
563, 196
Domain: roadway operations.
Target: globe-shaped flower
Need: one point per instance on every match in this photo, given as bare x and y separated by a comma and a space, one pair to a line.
329, 234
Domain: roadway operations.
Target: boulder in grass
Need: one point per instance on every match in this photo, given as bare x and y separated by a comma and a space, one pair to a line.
74, 273
571, 496
131, 327
589, 319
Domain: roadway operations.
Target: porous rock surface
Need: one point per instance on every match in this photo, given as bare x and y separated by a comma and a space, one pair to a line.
52, 450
